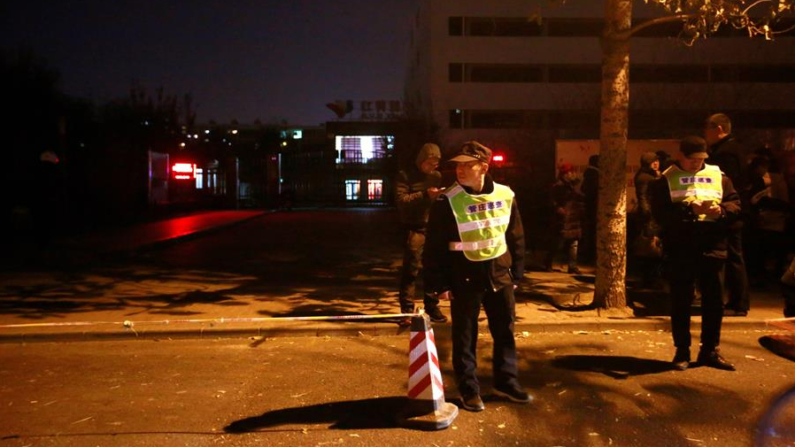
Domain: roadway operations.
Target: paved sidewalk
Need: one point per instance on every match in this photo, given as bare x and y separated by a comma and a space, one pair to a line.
546, 301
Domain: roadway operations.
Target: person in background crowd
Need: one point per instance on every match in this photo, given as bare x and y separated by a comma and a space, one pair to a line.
695, 205
590, 191
568, 206
768, 198
48, 197
647, 241
788, 289
726, 153
787, 165
416, 190
475, 255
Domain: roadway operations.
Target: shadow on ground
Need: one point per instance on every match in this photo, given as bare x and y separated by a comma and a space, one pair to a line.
356, 414
322, 263
617, 367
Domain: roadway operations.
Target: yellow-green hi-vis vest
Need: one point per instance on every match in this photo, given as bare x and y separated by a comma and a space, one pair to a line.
703, 186
482, 221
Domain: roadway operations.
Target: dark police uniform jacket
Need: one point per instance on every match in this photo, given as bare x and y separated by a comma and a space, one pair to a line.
451, 270
682, 233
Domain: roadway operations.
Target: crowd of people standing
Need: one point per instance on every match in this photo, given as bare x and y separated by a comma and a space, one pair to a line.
706, 220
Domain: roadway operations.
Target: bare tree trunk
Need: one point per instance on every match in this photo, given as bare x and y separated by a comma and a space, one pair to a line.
611, 265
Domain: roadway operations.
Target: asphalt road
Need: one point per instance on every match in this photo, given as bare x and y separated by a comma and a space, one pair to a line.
591, 389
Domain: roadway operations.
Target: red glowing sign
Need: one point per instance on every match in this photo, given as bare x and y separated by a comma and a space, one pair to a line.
184, 171
499, 158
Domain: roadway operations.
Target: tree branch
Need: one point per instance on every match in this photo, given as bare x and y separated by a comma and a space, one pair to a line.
659, 20
745, 12
783, 30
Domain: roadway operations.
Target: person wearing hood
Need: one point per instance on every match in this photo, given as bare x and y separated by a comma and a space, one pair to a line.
568, 204
416, 190
646, 247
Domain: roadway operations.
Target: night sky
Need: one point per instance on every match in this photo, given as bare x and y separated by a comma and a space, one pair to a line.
266, 59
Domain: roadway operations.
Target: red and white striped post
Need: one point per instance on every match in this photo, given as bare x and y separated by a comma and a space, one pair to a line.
427, 408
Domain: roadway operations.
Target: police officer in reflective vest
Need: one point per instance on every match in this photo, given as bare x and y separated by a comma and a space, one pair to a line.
474, 255
695, 203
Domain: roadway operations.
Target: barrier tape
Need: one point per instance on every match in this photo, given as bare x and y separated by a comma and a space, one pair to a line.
130, 324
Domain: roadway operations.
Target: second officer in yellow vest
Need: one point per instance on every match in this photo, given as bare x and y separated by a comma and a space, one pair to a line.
695, 204
474, 252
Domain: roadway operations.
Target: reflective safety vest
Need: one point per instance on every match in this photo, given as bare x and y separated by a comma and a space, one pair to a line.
703, 186
482, 221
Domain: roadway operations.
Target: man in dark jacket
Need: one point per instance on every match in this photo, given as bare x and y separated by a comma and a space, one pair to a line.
727, 153
475, 254
416, 190
568, 205
695, 204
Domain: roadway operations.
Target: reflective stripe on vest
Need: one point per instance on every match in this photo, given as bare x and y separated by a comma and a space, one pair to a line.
482, 221
703, 186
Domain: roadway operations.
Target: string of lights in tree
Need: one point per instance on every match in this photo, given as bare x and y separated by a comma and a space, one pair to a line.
703, 18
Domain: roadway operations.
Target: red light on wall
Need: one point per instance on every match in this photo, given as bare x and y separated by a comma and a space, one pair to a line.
184, 171
499, 158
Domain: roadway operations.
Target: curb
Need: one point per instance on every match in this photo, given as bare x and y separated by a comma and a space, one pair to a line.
357, 330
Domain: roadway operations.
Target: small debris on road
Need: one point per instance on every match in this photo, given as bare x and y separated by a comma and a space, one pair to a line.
83, 420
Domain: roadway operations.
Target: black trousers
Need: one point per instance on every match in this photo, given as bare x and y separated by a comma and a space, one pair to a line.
500, 310
735, 275
684, 273
412, 265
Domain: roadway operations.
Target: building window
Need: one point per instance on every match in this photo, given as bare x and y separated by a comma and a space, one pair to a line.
495, 119
361, 149
375, 189
352, 190
565, 27
456, 72
668, 73
456, 119
575, 73
199, 178
499, 26
455, 26
503, 73
639, 73
582, 27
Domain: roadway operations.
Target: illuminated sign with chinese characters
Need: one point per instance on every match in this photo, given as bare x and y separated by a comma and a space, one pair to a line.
368, 110
183, 171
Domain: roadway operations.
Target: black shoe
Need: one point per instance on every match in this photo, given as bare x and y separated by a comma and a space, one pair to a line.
472, 402
734, 313
713, 359
436, 315
575, 271
514, 393
681, 359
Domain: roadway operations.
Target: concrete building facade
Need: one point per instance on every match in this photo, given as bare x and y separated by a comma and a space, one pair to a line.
518, 75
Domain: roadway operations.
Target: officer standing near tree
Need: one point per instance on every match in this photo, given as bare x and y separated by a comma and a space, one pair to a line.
474, 254
695, 204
